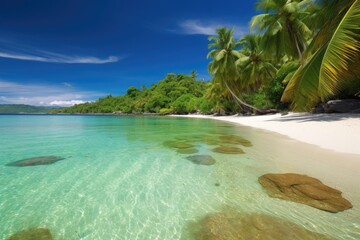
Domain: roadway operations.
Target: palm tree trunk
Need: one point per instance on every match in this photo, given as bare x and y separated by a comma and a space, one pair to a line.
257, 111
297, 45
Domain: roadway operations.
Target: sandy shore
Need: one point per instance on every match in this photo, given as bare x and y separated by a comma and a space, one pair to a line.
338, 132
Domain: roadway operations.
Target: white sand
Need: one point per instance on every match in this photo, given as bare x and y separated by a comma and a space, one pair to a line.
338, 132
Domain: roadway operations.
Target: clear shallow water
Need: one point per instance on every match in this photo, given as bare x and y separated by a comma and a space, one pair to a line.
119, 181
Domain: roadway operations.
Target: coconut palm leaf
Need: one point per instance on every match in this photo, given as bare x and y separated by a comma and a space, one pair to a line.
254, 66
343, 48
326, 17
285, 32
302, 88
335, 64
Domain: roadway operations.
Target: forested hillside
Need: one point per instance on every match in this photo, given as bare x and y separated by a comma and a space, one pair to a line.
177, 93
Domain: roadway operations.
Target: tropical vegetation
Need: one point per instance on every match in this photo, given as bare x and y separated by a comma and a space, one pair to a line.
301, 51
176, 93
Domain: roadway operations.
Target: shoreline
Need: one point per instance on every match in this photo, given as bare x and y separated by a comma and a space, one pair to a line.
337, 132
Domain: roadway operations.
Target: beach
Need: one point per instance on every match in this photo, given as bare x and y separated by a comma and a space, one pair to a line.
337, 132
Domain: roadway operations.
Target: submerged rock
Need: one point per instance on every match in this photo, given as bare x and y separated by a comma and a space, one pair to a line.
187, 150
202, 159
233, 139
228, 150
304, 189
178, 144
32, 234
43, 160
209, 140
236, 226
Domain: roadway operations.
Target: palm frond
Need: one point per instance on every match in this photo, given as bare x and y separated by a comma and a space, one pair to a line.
342, 49
302, 88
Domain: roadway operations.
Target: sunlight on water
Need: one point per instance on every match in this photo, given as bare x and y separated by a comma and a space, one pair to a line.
130, 177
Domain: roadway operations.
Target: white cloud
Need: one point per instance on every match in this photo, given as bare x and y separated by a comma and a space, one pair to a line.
43, 95
67, 103
57, 58
196, 27
66, 84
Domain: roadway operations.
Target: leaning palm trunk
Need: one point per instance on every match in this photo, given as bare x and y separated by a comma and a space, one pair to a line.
242, 103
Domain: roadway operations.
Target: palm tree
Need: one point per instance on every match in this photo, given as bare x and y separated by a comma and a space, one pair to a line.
285, 32
217, 94
333, 57
223, 66
255, 67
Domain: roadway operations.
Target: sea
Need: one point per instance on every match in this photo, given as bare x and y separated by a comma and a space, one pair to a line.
131, 177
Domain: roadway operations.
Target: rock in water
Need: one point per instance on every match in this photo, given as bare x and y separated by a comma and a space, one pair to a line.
228, 150
43, 160
236, 226
32, 234
202, 159
233, 139
304, 189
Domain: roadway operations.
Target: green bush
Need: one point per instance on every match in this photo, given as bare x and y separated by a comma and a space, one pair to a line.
166, 111
183, 104
205, 106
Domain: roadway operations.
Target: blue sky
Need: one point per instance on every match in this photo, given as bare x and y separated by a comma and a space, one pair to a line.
65, 52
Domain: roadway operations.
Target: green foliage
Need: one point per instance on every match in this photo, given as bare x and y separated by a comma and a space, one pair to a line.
332, 57
224, 65
205, 106
285, 32
166, 111
185, 104
258, 99
274, 91
133, 92
175, 93
303, 52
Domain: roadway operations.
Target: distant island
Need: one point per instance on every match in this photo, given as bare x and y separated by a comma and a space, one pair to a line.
23, 109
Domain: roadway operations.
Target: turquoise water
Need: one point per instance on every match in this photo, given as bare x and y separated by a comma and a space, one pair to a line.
120, 181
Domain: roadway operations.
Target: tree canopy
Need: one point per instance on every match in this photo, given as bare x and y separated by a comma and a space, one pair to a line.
176, 93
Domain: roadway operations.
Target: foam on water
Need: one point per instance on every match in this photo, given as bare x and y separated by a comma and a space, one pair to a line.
119, 180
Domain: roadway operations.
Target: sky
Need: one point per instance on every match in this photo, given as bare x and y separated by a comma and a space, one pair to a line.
65, 52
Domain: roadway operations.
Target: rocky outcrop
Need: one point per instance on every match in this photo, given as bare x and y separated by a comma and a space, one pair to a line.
339, 106
32, 234
202, 159
236, 226
43, 160
304, 189
342, 106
